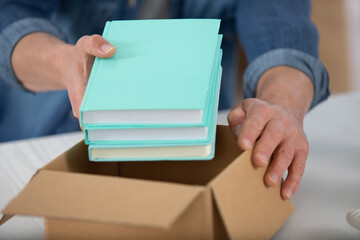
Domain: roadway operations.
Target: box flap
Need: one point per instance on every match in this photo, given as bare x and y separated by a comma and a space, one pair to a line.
76, 159
249, 208
103, 199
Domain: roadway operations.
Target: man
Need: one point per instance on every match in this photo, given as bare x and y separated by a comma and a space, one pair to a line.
283, 81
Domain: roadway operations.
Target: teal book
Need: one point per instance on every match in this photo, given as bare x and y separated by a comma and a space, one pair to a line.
163, 150
160, 74
117, 135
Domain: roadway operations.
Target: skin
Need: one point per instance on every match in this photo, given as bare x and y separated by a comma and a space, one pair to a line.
271, 123
42, 62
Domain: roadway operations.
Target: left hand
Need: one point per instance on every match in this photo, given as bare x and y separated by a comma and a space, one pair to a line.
274, 129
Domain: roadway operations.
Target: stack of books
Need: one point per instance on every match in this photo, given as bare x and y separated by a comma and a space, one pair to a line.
157, 97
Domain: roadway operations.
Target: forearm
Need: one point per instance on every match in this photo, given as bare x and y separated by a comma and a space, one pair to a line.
288, 88
37, 61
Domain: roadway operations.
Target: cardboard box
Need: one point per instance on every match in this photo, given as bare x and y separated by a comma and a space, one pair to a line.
218, 199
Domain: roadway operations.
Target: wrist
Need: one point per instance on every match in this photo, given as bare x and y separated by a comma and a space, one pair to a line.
38, 62
66, 52
287, 88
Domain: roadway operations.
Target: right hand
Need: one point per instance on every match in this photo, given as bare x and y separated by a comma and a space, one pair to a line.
79, 59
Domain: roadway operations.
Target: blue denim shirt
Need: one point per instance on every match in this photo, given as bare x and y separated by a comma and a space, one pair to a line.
272, 33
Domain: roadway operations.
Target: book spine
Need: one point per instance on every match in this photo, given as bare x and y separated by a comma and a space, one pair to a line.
213, 77
213, 137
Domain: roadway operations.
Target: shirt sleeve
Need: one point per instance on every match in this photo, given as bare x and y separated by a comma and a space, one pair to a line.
280, 32
18, 19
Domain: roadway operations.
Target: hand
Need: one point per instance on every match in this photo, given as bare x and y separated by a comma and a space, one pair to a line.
275, 136
43, 63
273, 126
80, 58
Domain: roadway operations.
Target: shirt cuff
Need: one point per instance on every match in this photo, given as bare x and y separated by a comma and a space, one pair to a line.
12, 34
306, 63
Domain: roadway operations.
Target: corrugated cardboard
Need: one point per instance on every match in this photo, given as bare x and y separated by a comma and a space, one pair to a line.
218, 199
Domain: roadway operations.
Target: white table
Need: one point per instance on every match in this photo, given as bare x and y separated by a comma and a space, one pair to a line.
330, 186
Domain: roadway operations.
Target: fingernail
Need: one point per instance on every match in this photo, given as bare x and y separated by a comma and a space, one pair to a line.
262, 158
273, 178
106, 48
247, 143
288, 192
237, 130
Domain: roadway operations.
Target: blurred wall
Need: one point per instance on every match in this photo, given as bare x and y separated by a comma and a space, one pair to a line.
338, 24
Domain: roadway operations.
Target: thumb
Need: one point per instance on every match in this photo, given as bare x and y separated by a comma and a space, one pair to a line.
235, 118
97, 46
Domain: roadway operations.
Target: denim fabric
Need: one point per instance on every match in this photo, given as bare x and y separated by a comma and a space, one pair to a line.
292, 58
276, 32
12, 34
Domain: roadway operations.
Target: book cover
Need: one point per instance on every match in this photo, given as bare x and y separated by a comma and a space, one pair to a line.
160, 73
159, 132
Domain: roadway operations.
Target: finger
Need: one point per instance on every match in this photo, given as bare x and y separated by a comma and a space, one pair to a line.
235, 118
282, 158
76, 99
270, 138
97, 46
255, 121
295, 173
